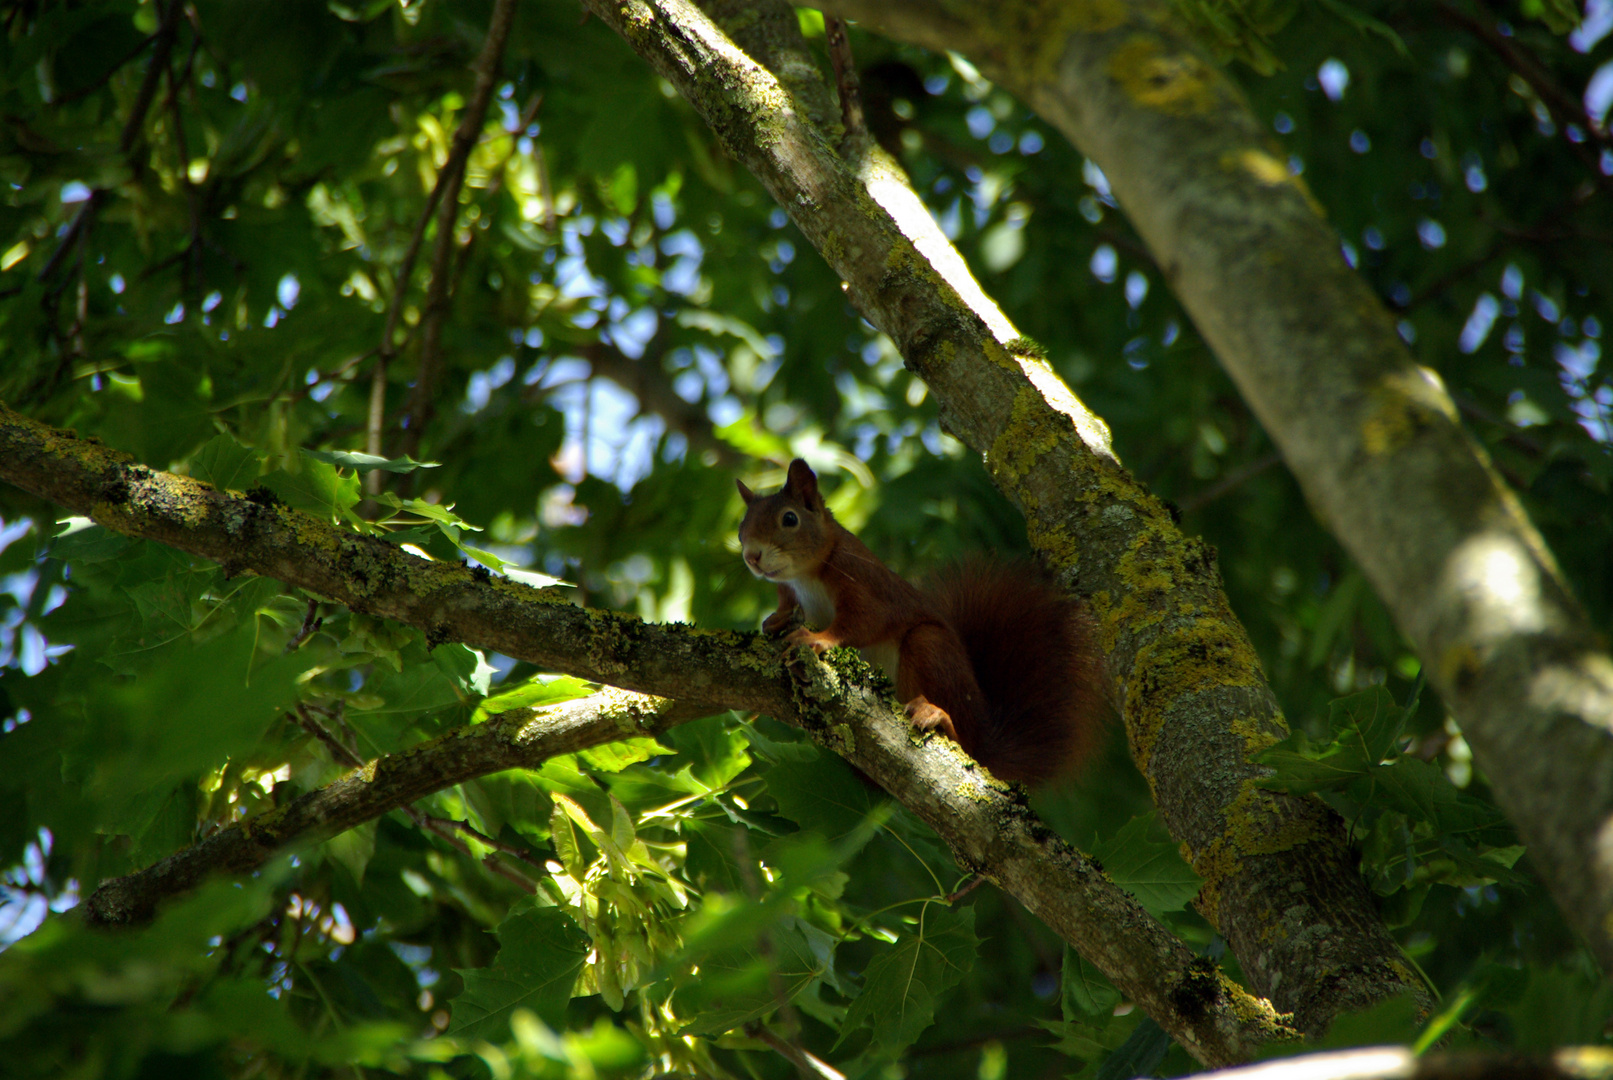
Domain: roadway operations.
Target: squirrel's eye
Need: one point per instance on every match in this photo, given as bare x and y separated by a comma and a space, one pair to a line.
790, 520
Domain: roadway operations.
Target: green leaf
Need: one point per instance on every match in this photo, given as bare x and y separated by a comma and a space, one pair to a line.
907, 983
1139, 1055
823, 795
360, 462
1365, 23
353, 849
616, 756
541, 690
200, 705
1142, 858
465, 667
1300, 765
1422, 791
318, 489
776, 751
417, 690
82, 542
540, 954
226, 464
716, 750
442, 516
566, 847
1086, 990
1373, 717
742, 985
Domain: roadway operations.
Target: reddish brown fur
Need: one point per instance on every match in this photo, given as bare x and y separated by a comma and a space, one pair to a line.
991, 654
1032, 648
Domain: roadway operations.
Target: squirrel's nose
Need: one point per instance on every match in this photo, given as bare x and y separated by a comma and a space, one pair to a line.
753, 558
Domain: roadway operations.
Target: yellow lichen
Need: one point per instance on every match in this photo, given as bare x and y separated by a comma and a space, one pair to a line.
1262, 166
974, 792
1270, 171
1177, 83
1054, 541
1199, 656
1028, 435
1256, 827
1035, 34
1403, 402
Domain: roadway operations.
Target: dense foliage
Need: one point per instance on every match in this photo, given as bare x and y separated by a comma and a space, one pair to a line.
208, 232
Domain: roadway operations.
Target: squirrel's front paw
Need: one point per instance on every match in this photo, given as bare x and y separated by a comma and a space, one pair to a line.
810, 638
777, 621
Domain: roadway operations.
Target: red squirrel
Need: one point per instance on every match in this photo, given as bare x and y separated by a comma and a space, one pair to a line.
991, 654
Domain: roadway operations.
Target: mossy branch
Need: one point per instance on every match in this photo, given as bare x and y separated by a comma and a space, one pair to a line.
695, 672
1195, 701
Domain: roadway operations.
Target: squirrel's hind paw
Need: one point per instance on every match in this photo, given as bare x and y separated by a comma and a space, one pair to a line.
928, 716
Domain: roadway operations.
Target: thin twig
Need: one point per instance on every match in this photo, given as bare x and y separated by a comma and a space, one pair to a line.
76, 239
423, 405
646, 380
1528, 67
975, 881
440, 828
1466, 270
86, 91
310, 622
545, 189
190, 274
1557, 101
805, 1063
338, 749
79, 225
851, 105
154, 71
1241, 475
480, 837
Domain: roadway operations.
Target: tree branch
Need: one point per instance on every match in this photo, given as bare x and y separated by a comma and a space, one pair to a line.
1373, 438
987, 825
1402, 1063
1194, 699
520, 739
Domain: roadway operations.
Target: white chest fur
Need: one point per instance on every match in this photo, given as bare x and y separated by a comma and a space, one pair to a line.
819, 607
815, 601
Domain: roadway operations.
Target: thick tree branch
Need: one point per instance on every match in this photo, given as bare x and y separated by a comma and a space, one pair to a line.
1402, 1063
1280, 882
520, 739
987, 825
1373, 438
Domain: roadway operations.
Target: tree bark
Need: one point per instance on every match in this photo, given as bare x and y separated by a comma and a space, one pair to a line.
1280, 881
1373, 438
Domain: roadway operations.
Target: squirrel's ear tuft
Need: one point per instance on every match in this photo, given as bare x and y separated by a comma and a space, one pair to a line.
744, 492
803, 482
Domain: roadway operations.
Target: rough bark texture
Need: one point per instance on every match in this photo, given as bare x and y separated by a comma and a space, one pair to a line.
985, 823
1373, 438
1280, 881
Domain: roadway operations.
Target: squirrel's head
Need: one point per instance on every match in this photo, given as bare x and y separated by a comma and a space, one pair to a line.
785, 534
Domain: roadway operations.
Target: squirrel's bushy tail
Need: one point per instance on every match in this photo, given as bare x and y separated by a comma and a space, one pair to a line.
1035, 657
